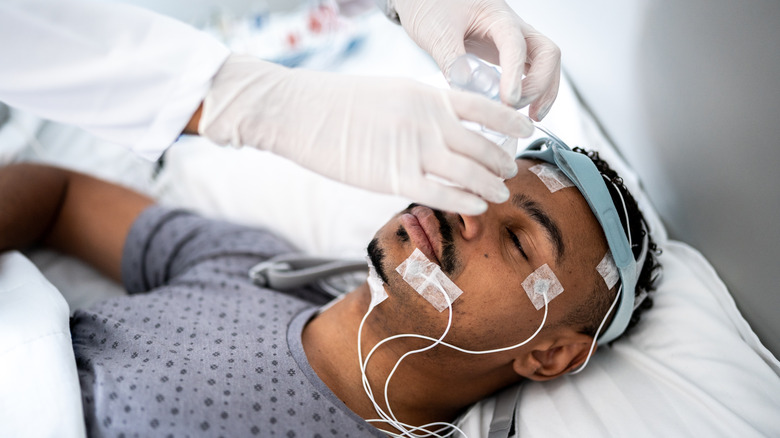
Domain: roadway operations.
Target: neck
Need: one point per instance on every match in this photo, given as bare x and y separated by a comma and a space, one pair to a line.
419, 392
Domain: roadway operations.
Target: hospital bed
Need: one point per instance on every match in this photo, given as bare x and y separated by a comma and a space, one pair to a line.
697, 365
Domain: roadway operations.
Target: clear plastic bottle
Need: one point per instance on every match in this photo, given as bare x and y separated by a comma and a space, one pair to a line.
470, 73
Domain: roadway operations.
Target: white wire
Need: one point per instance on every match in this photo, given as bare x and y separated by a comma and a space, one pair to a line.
620, 289
593, 344
390, 419
463, 350
452, 429
440, 342
395, 367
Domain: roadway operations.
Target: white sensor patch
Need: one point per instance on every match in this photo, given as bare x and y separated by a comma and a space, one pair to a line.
542, 280
378, 293
551, 176
608, 270
428, 280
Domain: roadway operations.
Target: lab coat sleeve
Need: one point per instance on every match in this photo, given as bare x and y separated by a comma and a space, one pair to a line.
123, 73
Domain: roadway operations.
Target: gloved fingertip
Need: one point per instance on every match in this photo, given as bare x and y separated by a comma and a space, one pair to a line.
499, 195
449, 59
524, 101
510, 170
511, 89
525, 126
474, 207
514, 97
542, 113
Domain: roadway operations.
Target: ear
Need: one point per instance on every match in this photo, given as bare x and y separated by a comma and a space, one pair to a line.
555, 358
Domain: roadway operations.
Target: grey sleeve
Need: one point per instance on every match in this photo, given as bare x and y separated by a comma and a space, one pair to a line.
163, 244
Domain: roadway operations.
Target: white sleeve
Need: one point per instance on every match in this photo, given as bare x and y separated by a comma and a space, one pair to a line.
123, 73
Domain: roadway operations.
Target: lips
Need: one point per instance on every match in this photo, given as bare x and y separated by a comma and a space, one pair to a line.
423, 229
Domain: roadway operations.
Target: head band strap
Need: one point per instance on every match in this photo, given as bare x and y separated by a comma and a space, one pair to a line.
586, 177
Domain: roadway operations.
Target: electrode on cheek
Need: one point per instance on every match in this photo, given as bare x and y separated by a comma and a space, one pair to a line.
375, 285
541, 281
428, 280
551, 176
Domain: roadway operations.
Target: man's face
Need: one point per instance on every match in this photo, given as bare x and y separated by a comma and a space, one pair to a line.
488, 257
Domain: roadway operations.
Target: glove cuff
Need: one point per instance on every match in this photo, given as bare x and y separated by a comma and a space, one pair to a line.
238, 93
388, 8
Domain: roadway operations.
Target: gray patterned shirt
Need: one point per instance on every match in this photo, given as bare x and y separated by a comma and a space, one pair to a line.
196, 349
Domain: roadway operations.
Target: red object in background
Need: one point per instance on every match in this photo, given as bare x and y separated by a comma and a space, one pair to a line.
315, 25
292, 39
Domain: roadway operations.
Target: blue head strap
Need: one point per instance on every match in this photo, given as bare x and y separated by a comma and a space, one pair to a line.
584, 174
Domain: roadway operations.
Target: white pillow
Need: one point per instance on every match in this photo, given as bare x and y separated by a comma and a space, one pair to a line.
39, 387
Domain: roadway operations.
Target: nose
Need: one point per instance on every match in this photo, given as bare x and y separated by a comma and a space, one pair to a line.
471, 226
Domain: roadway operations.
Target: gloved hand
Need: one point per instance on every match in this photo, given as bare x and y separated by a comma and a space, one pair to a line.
381, 134
491, 30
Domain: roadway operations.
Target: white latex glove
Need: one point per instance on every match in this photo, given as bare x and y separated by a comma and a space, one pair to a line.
491, 30
381, 134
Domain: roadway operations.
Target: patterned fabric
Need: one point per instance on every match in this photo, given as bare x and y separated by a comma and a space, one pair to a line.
204, 352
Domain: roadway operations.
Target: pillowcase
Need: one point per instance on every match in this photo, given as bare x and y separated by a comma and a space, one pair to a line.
39, 386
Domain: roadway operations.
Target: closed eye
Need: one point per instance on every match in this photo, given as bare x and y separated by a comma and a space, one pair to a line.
516, 241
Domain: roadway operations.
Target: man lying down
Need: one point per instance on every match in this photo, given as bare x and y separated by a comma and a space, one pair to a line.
196, 349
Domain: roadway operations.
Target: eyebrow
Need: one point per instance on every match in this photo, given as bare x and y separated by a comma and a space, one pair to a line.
534, 210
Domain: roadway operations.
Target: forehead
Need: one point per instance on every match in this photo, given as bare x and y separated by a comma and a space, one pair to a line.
563, 203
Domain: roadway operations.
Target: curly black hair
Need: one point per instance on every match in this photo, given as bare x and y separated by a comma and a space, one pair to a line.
589, 317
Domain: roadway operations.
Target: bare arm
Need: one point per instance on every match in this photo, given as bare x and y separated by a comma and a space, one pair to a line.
192, 125
68, 211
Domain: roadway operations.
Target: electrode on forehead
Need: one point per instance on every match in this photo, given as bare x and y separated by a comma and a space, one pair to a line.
608, 270
428, 280
551, 176
542, 280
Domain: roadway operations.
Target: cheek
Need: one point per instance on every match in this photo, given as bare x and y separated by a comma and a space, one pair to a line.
488, 267
492, 286
488, 285
494, 315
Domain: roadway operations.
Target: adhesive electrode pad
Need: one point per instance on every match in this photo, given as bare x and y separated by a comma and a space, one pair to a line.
378, 293
428, 280
543, 279
608, 270
551, 176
